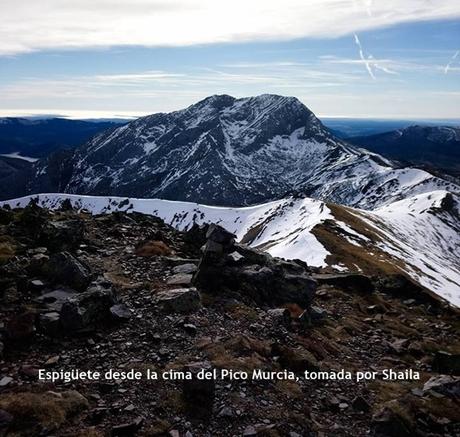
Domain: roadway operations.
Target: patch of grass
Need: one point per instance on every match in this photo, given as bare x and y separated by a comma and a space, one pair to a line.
154, 248
158, 428
350, 255
386, 391
171, 400
48, 409
7, 249
241, 311
289, 388
239, 353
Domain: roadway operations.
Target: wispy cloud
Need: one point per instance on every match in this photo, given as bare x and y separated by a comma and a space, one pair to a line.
57, 24
451, 62
248, 78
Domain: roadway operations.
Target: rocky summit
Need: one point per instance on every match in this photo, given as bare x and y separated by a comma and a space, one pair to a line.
230, 152
129, 294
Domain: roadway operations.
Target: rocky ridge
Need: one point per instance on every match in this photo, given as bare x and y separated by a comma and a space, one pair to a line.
418, 237
128, 291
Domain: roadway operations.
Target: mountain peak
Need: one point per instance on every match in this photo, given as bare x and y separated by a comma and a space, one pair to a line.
222, 101
235, 151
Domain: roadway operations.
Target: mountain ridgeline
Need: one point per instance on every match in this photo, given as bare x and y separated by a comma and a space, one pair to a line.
38, 138
435, 147
228, 151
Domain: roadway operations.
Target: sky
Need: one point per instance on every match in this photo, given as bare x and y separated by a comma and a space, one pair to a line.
395, 59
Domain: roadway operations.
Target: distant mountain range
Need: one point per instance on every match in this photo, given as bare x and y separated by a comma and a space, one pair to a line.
38, 138
227, 151
435, 147
360, 127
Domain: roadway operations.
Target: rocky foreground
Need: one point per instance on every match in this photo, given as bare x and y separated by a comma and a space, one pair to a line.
129, 293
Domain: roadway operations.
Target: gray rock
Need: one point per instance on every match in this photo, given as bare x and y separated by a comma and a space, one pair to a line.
54, 299
399, 346
220, 235
38, 263
62, 235
120, 312
37, 284
211, 247
280, 316
49, 323
180, 279
444, 384
256, 275
6, 380
235, 257
63, 268
188, 268
226, 412
249, 431
85, 310
181, 300
317, 314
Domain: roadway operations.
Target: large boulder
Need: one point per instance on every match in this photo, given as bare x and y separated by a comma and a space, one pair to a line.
229, 267
55, 233
85, 310
65, 269
62, 235
180, 300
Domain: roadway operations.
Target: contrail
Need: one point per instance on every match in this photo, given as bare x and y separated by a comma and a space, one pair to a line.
451, 62
363, 58
376, 65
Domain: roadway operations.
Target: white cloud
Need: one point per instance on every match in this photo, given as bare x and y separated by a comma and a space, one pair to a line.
52, 24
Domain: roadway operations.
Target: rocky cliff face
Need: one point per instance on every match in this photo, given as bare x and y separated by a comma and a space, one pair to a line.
127, 291
227, 151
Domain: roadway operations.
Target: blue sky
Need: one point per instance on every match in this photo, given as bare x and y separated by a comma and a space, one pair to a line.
359, 58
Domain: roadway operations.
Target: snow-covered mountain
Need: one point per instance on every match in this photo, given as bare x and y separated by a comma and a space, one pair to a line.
418, 236
227, 151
